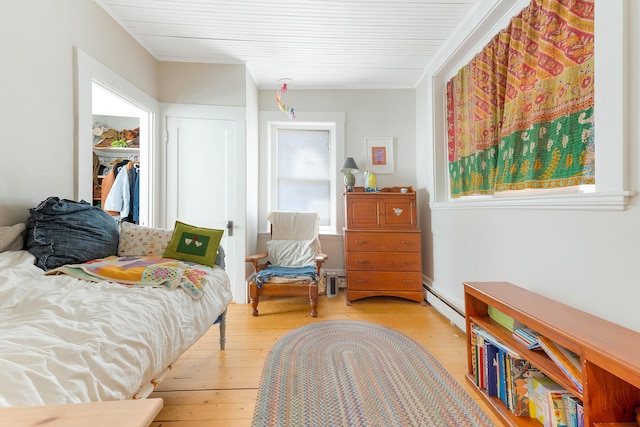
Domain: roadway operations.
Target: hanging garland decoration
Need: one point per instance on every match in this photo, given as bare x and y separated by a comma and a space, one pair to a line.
284, 108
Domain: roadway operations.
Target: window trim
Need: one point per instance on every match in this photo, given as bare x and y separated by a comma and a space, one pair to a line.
611, 100
270, 122
274, 128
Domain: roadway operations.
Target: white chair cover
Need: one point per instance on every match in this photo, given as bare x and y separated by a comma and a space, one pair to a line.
294, 226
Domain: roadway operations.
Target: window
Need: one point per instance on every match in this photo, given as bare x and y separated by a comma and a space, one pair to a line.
610, 192
303, 177
302, 169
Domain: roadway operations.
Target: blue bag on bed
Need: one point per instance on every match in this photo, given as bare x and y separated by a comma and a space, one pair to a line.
61, 231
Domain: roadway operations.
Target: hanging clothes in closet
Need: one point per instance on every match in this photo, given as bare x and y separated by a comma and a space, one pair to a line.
120, 191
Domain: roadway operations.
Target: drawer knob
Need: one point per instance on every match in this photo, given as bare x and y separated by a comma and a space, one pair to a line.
361, 261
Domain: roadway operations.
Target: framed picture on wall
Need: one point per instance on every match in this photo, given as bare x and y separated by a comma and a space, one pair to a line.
379, 154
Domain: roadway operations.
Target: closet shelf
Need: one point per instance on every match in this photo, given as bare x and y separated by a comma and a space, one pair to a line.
116, 150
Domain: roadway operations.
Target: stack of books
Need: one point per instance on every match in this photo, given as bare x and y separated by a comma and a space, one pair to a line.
554, 406
503, 373
546, 404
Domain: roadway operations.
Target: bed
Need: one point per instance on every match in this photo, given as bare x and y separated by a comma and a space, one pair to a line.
70, 340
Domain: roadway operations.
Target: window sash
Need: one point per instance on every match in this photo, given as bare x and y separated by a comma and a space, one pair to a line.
303, 172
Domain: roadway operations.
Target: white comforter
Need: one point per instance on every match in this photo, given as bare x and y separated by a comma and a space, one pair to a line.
64, 340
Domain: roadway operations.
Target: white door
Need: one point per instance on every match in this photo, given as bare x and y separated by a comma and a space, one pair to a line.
202, 176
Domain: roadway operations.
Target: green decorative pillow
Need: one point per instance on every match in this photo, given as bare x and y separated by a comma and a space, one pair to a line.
195, 244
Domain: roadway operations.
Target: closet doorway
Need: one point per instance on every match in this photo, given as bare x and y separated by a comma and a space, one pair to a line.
116, 138
104, 95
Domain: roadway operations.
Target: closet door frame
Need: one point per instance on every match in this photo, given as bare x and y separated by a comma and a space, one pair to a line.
88, 72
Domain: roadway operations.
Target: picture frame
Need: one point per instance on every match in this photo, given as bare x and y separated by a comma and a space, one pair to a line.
379, 152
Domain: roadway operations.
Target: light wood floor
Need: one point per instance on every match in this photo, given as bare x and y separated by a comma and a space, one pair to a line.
209, 387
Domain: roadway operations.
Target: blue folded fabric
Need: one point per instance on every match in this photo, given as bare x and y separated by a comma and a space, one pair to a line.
274, 271
61, 231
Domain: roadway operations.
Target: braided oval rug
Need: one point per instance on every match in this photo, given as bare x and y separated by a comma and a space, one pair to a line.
353, 373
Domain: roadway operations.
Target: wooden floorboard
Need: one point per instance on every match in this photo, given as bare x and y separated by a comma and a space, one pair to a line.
209, 387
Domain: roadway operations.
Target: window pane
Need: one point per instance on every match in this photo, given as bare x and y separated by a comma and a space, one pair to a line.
303, 154
312, 196
304, 182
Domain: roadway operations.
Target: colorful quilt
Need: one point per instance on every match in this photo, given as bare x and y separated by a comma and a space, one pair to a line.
520, 115
140, 271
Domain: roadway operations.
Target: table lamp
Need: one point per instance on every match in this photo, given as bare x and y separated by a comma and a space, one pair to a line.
348, 168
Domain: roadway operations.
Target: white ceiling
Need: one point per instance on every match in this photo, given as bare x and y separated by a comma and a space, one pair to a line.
315, 43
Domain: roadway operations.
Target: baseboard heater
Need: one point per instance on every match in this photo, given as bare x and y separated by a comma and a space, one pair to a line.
446, 308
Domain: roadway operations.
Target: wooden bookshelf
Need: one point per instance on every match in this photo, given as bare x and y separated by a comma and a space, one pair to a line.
609, 353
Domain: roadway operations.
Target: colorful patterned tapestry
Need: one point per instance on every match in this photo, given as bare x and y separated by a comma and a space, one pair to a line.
520, 114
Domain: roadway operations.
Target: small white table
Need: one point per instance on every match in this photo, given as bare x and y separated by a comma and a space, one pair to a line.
123, 413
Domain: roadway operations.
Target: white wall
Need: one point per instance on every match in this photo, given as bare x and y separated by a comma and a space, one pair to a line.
251, 220
204, 84
368, 113
37, 111
585, 258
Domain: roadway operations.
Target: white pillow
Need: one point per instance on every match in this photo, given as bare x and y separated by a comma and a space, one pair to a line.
138, 240
292, 253
12, 237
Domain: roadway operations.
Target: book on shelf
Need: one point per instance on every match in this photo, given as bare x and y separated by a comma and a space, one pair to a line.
545, 402
568, 362
492, 368
482, 382
527, 336
521, 372
489, 337
502, 376
580, 413
508, 370
556, 409
479, 361
570, 403
473, 338
503, 319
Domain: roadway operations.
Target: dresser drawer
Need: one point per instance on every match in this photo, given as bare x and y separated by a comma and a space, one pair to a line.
382, 242
384, 281
384, 261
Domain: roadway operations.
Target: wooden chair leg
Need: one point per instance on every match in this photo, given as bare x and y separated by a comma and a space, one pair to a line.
313, 299
254, 297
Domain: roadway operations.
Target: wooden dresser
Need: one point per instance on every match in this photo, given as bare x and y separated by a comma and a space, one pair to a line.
382, 245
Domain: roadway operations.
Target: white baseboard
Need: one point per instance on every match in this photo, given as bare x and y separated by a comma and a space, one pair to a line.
446, 308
